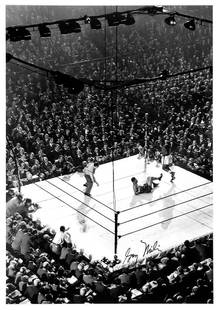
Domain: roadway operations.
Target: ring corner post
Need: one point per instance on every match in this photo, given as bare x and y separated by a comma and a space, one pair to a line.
116, 232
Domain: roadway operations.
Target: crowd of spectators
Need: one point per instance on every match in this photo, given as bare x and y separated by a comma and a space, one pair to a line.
53, 131
50, 132
40, 272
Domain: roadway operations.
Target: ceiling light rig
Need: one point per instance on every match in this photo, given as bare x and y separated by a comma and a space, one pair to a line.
68, 26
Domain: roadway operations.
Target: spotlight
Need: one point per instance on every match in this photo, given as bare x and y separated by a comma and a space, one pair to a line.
122, 18
75, 26
115, 19
129, 20
64, 28
170, 20
190, 25
93, 21
69, 27
44, 31
18, 33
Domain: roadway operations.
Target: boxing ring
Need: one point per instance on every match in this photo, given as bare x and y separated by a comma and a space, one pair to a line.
138, 225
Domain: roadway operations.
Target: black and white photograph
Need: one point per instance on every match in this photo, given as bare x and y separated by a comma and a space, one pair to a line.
108, 153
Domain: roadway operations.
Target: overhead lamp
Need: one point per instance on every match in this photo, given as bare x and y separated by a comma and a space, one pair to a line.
129, 20
75, 26
115, 19
69, 27
190, 24
170, 20
44, 31
93, 21
64, 27
18, 33
122, 18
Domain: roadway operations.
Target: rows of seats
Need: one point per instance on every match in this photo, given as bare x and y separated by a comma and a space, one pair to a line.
39, 273
52, 131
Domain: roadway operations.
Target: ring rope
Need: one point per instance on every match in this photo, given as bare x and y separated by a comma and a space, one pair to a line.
177, 204
185, 190
74, 209
83, 193
79, 201
132, 232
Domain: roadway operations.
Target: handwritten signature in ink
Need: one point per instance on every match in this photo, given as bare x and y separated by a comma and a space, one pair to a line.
148, 249
130, 257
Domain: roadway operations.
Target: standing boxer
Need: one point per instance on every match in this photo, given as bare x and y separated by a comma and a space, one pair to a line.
167, 160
